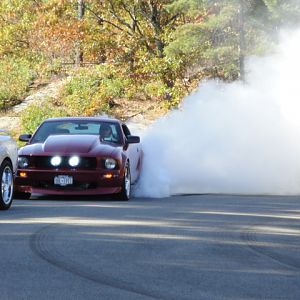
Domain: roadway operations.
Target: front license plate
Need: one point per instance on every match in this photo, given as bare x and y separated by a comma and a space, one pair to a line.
63, 180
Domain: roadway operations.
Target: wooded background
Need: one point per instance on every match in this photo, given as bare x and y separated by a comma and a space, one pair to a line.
155, 50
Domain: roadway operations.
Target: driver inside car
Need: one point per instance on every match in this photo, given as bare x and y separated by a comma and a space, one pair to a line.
106, 134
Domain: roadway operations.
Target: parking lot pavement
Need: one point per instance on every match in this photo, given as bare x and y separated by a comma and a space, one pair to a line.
182, 247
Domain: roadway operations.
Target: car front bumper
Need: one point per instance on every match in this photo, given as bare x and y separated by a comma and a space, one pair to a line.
85, 182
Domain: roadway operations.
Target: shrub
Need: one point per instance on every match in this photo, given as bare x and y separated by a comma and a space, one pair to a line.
35, 114
15, 78
91, 89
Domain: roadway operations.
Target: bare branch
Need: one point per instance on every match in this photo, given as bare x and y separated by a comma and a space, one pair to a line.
37, 3
102, 20
172, 19
113, 12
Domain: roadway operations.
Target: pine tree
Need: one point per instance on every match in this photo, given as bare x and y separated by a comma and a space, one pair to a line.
218, 35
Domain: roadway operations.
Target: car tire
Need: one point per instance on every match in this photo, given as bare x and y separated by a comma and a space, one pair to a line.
6, 185
126, 184
22, 196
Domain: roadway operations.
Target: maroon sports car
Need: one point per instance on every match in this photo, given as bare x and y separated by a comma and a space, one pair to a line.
79, 156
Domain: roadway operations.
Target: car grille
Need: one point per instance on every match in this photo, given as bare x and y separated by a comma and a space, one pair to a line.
43, 162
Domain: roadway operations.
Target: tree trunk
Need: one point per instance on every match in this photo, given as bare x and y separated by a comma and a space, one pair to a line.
242, 43
79, 52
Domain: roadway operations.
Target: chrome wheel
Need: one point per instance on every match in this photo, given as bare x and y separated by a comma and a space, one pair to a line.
125, 192
7, 185
127, 182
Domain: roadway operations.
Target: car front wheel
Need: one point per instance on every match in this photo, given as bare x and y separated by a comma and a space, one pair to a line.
6, 185
126, 185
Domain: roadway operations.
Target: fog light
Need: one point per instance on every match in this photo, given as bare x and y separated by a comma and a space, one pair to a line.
74, 161
55, 161
108, 176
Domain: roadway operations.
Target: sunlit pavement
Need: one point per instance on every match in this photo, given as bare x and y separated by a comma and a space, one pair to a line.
183, 247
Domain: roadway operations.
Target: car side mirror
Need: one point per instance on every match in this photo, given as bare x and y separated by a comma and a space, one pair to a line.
25, 137
132, 139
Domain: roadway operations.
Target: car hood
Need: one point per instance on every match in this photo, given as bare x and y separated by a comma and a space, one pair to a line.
69, 144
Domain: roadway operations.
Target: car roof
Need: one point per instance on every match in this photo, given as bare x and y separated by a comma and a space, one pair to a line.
89, 119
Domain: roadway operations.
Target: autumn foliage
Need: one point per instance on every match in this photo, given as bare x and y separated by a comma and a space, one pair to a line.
155, 50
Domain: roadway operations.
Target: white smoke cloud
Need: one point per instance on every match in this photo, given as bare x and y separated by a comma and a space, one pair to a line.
231, 138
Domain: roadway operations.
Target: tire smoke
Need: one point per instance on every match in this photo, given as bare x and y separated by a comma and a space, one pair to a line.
231, 138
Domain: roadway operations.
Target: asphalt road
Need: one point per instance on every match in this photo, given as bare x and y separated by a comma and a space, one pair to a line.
183, 247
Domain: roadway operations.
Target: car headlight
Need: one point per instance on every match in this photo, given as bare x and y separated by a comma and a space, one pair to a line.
110, 163
55, 161
23, 162
74, 161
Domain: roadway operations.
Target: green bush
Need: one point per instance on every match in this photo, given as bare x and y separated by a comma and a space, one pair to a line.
77, 93
156, 89
90, 90
15, 78
35, 114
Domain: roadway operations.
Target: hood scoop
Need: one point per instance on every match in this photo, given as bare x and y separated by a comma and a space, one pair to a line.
70, 143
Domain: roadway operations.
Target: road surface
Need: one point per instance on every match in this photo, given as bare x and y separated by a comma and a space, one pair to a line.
182, 247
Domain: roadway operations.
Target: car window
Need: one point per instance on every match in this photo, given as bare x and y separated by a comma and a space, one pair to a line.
126, 130
73, 127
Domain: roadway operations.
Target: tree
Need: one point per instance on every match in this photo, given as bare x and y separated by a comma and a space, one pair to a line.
57, 30
218, 36
79, 54
138, 24
16, 18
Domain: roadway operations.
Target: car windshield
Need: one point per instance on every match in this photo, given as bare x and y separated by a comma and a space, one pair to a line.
108, 131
